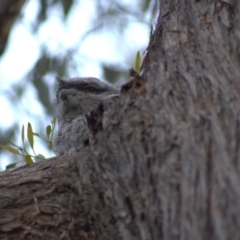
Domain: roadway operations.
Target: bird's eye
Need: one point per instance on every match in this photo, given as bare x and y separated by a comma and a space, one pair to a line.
91, 89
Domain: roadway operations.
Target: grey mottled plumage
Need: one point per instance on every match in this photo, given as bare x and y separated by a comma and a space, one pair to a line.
75, 98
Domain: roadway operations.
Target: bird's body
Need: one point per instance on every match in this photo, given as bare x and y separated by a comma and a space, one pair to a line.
75, 98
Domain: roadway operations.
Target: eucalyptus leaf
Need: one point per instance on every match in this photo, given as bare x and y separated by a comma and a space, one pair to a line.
22, 133
30, 135
39, 158
10, 149
48, 130
28, 159
137, 62
12, 165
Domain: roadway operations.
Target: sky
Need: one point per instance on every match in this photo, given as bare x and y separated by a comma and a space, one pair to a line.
24, 49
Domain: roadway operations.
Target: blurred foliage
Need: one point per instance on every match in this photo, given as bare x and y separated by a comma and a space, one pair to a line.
46, 4
23, 150
113, 16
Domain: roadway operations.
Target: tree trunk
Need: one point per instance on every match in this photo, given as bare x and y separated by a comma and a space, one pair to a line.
9, 10
164, 161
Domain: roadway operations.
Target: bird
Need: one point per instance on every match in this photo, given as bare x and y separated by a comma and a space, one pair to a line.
76, 97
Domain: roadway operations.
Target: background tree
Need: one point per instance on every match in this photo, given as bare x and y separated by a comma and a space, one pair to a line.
163, 162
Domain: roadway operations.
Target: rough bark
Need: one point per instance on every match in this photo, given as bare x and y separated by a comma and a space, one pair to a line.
164, 161
9, 10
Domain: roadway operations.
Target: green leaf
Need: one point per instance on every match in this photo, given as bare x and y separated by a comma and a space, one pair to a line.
48, 130
22, 133
28, 159
53, 121
30, 135
39, 158
50, 144
36, 134
10, 149
137, 62
12, 165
